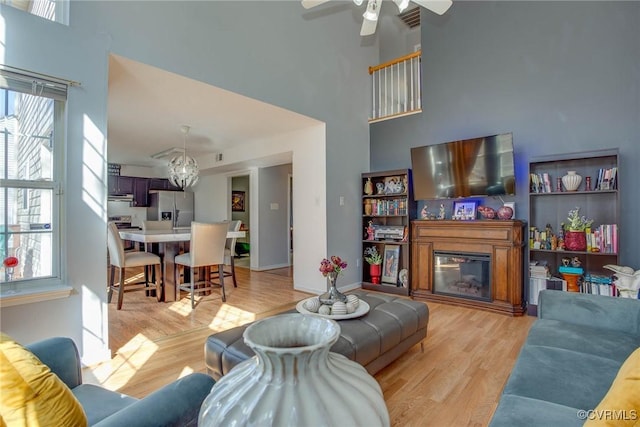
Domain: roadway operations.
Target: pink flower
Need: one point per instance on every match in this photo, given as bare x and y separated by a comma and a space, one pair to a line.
10, 262
331, 265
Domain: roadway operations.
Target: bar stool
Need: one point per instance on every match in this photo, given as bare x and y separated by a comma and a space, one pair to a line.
149, 247
206, 249
118, 258
229, 251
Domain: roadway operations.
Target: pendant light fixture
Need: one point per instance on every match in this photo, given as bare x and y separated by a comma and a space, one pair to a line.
183, 170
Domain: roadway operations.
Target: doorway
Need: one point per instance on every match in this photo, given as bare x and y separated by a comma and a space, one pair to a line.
240, 211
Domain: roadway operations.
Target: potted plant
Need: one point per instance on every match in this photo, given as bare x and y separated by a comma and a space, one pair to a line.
575, 238
373, 257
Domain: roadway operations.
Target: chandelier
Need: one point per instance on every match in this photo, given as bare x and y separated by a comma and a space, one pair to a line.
183, 170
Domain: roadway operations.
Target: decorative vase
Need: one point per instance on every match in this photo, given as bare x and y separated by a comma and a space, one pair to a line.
375, 270
333, 294
295, 380
368, 187
571, 181
505, 212
575, 240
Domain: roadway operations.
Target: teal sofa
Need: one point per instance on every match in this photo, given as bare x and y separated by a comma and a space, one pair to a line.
176, 404
569, 360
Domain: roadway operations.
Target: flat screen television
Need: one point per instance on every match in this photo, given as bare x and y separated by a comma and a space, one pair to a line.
471, 167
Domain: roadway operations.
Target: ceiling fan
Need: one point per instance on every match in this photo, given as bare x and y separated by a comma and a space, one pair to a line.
373, 10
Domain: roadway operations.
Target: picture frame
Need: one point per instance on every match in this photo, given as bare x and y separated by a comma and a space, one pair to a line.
393, 185
466, 210
390, 263
237, 201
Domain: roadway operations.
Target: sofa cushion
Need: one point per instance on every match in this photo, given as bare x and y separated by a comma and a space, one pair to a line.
600, 342
99, 402
31, 393
621, 404
585, 378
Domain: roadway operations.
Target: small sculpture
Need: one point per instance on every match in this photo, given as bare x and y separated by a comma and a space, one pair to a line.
371, 231
575, 262
441, 215
424, 213
380, 187
626, 280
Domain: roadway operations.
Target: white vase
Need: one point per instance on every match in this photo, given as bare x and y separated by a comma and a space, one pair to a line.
571, 181
294, 380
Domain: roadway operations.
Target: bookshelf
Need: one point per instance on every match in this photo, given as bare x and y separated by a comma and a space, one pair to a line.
549, 205
387, 210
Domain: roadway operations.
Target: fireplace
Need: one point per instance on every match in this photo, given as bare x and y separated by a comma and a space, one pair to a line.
475, 264
462, 275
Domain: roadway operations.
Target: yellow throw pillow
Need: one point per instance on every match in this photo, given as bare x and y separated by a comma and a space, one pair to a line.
32, 395
621, 405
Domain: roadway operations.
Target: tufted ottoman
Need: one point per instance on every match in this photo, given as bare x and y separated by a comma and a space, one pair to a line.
392, 326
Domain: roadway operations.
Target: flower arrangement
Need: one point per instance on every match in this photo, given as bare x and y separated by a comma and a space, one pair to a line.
577, 222
332, 265
372, 256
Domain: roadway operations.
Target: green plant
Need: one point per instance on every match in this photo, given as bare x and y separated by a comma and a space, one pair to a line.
577, 222
372, 256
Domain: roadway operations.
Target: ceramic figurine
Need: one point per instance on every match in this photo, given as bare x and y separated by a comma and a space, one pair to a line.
627, 281
424, 213
380, 188
441, 215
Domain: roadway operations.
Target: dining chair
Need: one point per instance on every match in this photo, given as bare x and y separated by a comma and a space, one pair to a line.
149, 247
206, 249
121, 260
229, 252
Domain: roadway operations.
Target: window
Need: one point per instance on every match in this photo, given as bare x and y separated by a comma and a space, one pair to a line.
31, 147
53, 10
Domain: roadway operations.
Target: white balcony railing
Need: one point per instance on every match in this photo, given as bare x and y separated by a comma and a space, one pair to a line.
396, 88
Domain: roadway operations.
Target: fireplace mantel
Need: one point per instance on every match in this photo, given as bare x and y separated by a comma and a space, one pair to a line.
503, 241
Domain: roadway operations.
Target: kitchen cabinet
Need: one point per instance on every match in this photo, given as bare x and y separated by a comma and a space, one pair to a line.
141, 192
120, 185
161, 184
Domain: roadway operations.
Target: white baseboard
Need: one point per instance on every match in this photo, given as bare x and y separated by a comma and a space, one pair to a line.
271, 267
345, 288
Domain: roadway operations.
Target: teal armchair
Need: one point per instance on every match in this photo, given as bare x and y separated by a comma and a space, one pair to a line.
176, 404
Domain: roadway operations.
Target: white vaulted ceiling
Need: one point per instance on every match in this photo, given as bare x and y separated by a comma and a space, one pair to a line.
147, 106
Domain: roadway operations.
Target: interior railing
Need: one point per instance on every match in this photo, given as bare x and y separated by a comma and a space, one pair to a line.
396, 87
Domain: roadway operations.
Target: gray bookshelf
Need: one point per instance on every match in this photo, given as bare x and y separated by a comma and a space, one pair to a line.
601, 205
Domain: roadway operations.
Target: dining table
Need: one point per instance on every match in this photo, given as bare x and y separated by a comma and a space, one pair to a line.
167, 244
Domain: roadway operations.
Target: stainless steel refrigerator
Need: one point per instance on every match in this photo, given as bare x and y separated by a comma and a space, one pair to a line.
176, 206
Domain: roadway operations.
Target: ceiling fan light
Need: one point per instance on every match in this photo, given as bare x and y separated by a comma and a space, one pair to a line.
358, 2
402, 4
371, 14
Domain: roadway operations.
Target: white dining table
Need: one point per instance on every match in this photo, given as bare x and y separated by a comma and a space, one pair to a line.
168, 245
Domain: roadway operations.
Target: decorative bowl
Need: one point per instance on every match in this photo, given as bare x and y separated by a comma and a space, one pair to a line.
486, 212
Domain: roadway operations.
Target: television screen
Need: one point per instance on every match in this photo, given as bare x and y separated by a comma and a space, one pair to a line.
471, 167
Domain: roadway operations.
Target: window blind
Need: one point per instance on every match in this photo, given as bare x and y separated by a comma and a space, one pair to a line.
34, 84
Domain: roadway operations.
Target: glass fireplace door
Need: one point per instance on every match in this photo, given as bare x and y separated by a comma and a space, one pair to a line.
462, 275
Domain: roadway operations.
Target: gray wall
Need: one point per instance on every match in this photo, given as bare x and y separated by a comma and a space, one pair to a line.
562, 76
313, 63
272, 207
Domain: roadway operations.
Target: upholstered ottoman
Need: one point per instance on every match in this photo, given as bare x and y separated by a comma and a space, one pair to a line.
392, 326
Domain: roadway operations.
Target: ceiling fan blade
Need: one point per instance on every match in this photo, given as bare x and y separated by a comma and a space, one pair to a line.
370, 21
308, 4
436, 6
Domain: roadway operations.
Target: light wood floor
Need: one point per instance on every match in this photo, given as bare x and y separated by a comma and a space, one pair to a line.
457, 380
